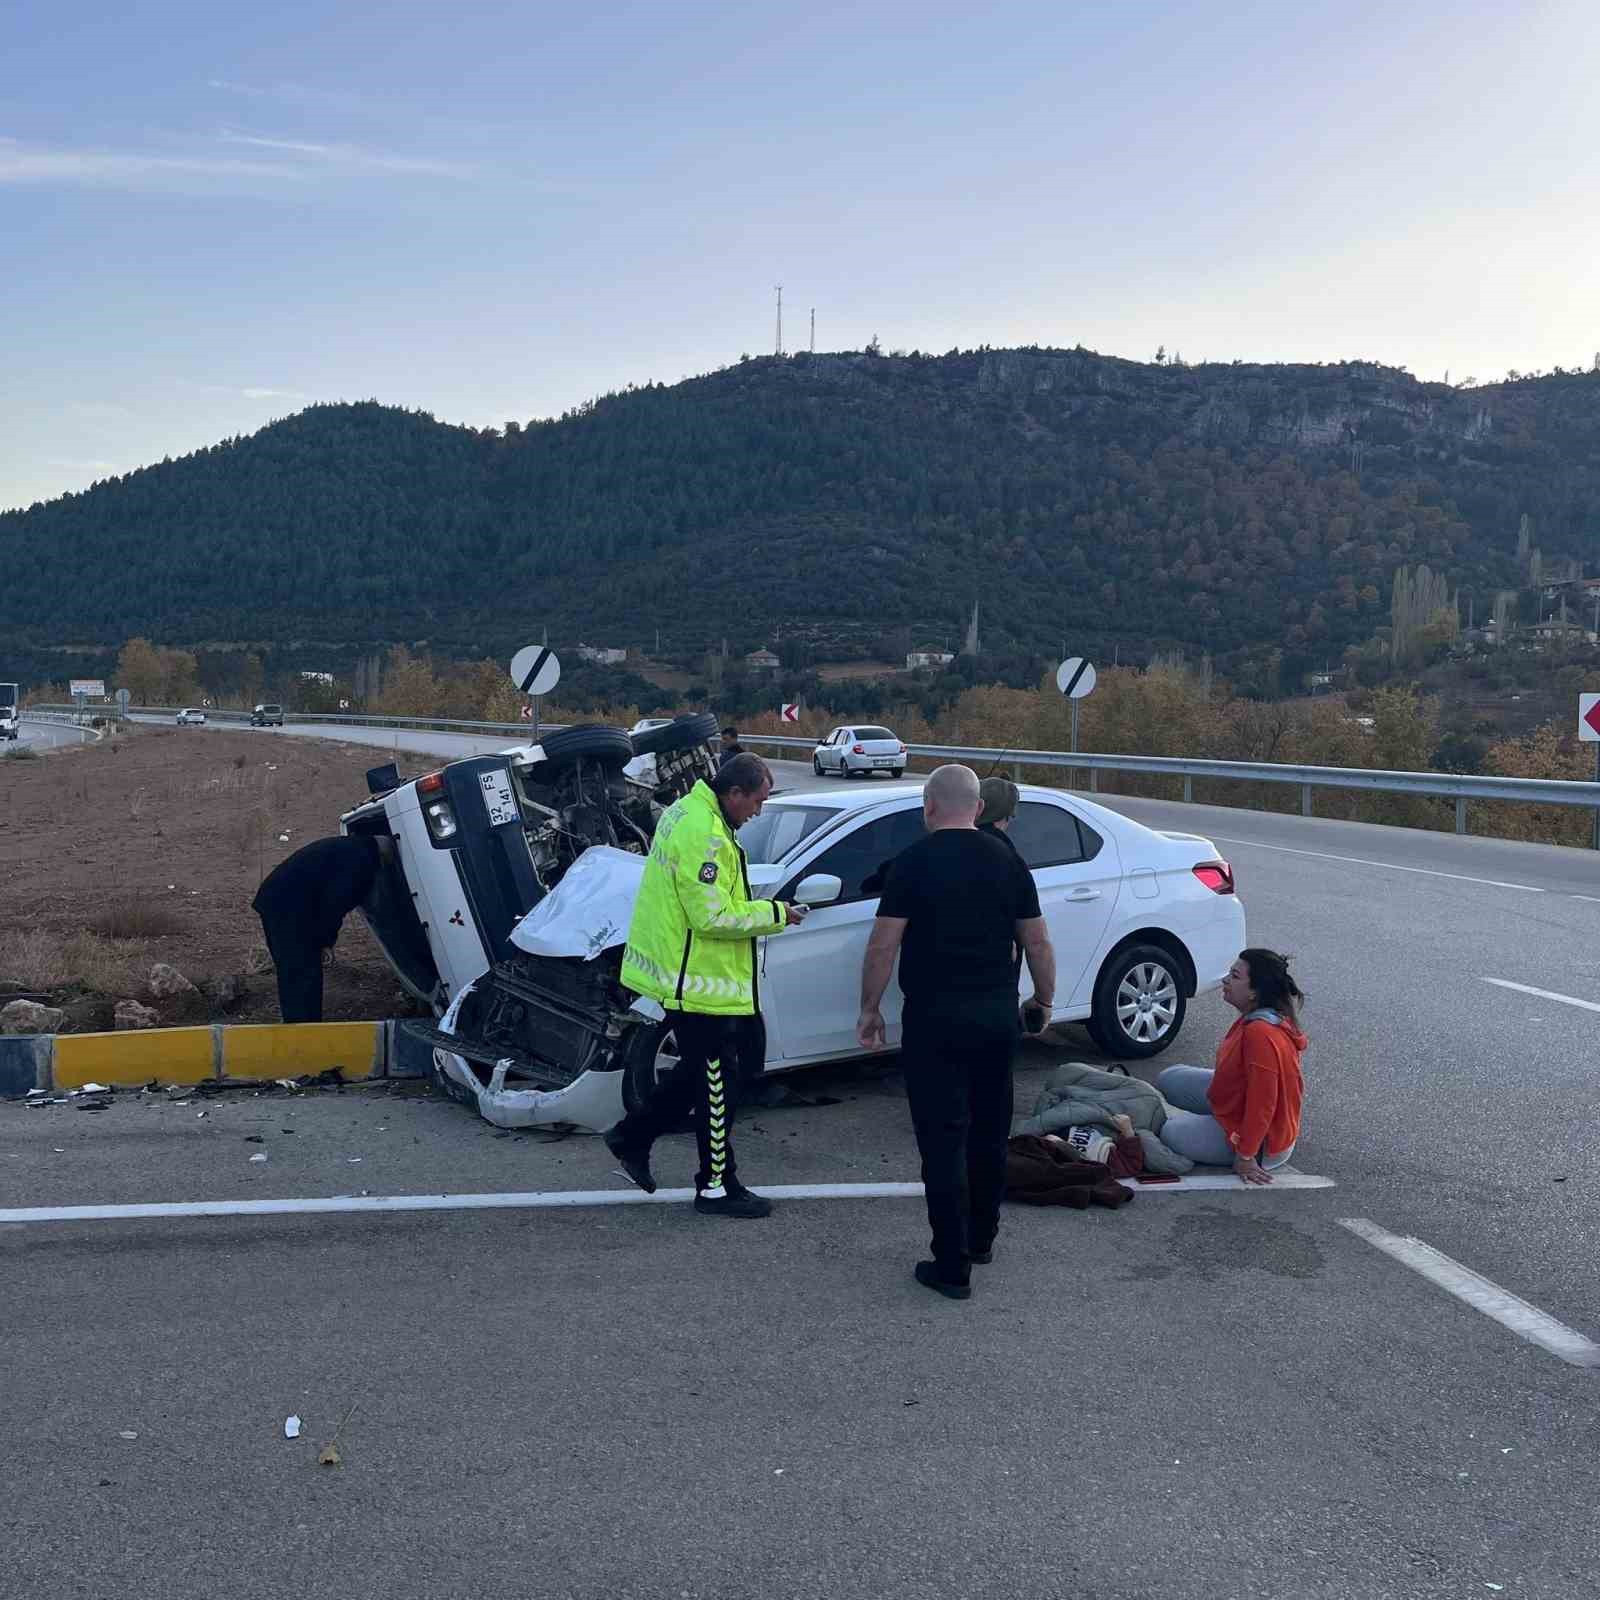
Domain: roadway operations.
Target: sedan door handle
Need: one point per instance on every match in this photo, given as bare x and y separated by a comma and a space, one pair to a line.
1084, 894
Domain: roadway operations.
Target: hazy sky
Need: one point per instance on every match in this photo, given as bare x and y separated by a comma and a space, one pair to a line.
211, 214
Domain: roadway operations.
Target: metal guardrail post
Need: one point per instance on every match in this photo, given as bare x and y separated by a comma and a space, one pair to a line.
1188, 790
1305, 800
1094, 780
1461, 814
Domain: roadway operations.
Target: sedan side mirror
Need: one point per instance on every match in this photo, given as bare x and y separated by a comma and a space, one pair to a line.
820, 889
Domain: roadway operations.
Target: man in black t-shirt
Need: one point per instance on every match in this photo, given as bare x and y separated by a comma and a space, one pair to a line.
954, 906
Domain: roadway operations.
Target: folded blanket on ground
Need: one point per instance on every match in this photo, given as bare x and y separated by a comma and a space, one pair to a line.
1078, 1095
1043, 1171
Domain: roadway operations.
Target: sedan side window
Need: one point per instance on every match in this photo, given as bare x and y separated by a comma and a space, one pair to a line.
858, 860
1051, 836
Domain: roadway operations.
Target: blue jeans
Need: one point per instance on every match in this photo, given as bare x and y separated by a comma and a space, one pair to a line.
1191, 1130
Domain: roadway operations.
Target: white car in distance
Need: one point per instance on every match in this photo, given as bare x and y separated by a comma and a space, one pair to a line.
863, 748
190, 717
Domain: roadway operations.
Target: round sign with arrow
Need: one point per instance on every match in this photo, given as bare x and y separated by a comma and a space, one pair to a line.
535, 670
1075, 678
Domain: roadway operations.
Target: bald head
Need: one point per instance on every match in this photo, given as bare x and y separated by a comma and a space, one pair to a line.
950, 797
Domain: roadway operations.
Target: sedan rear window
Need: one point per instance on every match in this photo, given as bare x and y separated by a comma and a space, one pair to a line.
1051, 836
874, 733
779, 828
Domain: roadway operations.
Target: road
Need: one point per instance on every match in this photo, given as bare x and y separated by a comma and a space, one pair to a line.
1204, 1394
46, 735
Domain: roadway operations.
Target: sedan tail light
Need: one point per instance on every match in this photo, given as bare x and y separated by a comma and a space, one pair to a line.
902, 749
858, 749
1217, 876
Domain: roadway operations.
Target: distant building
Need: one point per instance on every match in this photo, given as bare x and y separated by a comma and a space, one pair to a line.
930, 655
602, 654
1320, 680
318, 677
763, 661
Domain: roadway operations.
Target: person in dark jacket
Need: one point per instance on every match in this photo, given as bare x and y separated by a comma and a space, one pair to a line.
997, 809
302, 904
730, 747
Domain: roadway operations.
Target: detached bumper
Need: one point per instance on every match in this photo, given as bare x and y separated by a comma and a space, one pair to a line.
591, 1100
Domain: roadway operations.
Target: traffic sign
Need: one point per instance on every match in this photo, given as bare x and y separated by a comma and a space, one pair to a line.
1075, 678
791, 712
535, 670
1589, 718
91, 688
526, 713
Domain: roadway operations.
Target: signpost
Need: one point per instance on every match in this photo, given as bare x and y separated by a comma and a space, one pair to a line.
535, 671
1075, 679
790, 712
123, 697
1589, 733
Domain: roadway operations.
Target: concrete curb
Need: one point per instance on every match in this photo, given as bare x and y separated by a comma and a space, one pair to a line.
222, 1052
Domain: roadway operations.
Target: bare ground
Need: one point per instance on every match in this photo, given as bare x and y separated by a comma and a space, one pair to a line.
149, 849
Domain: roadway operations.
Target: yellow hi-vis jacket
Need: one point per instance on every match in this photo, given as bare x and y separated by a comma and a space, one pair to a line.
692, 941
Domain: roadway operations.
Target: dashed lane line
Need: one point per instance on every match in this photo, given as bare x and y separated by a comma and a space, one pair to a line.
557, 1199
1542, 994
1390, 866
1509, 1310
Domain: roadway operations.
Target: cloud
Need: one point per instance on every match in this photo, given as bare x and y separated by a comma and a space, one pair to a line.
351, 157
124, 169
277, 163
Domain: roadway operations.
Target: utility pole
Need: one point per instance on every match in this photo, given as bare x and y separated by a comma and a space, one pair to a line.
780, 319
813, 330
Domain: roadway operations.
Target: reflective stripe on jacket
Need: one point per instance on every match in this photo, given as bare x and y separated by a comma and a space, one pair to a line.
692, 941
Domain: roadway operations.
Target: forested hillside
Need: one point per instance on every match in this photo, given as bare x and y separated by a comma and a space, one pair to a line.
1255, 512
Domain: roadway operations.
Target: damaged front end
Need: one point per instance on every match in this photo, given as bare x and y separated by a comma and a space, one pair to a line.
548, 1034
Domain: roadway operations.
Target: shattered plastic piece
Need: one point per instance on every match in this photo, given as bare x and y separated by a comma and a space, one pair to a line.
329, 1456
37, 1094
291, 1428
287, 1083
127, 1433
283, 838
352, 1159
261, 1157
93, 1088
254, 1138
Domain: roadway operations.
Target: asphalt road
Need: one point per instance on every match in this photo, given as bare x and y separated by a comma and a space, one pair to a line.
45, 735
1207, 1395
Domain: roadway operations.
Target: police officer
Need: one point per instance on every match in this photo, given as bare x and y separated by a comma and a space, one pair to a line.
302, 904
692, 947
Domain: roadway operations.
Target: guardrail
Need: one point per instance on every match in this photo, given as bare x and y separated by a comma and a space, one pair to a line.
1458, 787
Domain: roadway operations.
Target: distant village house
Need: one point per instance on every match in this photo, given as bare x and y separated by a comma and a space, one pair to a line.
602, 654
763, 661
930, 655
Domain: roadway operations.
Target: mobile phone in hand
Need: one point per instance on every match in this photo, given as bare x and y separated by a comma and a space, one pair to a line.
1033, 1018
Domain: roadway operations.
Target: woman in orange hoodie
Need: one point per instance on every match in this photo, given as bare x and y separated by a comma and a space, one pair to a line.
1245, 1112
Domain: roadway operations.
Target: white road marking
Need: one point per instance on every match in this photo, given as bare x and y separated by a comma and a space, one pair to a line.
1542, 994
1392, 866
541, 1200
1227, 1180
1509, 1310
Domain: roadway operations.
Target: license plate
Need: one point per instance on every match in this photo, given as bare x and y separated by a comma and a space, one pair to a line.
883, 761
498, 800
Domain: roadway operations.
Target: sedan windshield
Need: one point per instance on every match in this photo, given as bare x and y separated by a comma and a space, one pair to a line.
779, 828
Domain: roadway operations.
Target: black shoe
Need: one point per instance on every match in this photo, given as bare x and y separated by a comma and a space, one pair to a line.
637, 1167
734, 1201
981, 1258
927, 1274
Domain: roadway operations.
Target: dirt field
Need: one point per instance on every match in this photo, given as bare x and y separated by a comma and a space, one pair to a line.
119, 855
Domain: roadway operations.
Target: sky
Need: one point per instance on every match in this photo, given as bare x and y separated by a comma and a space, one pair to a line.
212, 216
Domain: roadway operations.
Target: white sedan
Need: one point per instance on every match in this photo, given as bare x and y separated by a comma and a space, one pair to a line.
191, 716
1141, 921
861, 749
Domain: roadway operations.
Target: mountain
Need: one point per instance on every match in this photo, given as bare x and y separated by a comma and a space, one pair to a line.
1236, 509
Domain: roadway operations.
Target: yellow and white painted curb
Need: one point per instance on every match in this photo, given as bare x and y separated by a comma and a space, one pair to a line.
220, 1052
